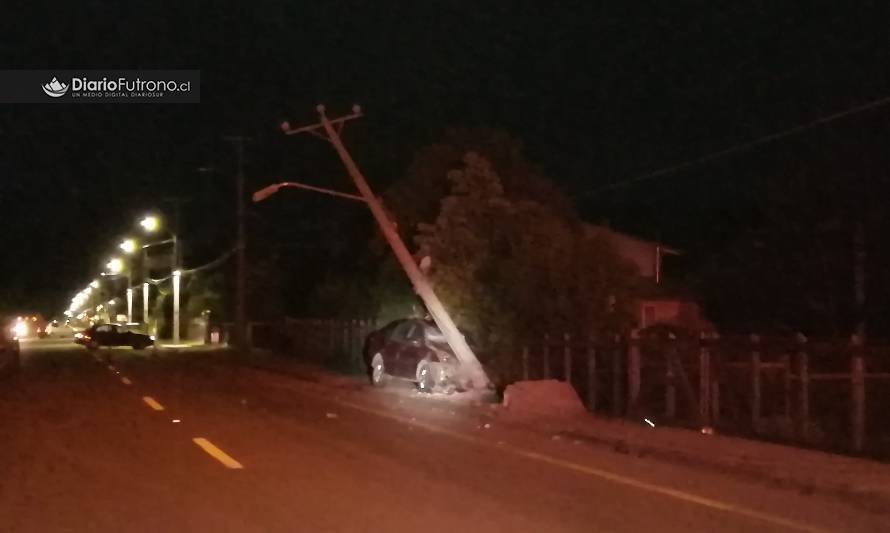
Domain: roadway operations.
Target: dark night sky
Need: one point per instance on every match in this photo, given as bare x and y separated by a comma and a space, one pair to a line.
599, 93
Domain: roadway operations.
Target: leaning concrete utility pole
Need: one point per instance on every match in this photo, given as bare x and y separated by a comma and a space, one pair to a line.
470, 365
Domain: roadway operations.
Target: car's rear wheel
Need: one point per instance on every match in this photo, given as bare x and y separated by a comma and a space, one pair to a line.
378, 371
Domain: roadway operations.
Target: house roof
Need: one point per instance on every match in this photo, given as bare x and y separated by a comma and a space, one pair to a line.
596, 229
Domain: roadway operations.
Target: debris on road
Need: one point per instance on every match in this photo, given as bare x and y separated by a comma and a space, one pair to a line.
331, 415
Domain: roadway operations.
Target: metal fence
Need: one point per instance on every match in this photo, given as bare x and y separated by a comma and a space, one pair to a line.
337, 344
826, 394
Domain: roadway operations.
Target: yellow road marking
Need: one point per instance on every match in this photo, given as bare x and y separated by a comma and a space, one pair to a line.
216, 453
595, 472
126, 381
151, 402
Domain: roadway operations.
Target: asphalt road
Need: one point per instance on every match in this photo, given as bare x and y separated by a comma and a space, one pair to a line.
202, 443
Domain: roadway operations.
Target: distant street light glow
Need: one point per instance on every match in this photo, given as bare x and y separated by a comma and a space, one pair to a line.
150, 223
94, 284
115, 266
128, 246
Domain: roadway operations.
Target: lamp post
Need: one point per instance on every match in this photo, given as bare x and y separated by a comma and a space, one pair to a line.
128, 246
115, 267
145, 304
151, 224
176, 280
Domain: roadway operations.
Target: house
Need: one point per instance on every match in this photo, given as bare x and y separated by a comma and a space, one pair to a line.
660, 304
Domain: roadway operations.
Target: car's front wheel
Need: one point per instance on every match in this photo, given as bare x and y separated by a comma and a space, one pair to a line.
426, 379
378, 370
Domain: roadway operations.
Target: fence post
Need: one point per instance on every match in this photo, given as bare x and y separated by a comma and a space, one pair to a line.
704, 380
633, 371
803, 393
786, 387
525, 363
591, 375
755, 383
344, 341
546, 352
332, 337
857, 382
249, 335
355, 348
616, 376
670, 389
567, 357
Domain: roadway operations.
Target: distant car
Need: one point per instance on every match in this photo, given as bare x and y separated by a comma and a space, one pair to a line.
59, 329
10, 353
113, 335
27, 326
415, 350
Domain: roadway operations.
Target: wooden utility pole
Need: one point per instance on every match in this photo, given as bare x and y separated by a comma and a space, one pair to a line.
470, 366
240, 247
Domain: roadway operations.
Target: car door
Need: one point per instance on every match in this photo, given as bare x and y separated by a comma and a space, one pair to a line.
413, 350
392, 349
103, 334
124, 336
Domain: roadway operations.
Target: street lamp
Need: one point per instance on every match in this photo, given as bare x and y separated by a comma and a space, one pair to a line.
115, 265
128, 246
151, 224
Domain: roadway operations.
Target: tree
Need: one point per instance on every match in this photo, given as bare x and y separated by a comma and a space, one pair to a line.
510, 269
416, 199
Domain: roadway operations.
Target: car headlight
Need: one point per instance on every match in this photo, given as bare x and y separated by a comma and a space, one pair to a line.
20, 329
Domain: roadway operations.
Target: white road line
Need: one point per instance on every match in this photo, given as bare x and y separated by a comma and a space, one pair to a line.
591, 471
217, 454
151, 402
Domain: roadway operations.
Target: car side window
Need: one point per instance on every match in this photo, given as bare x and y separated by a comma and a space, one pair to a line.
416, 333
105, 328
401, 332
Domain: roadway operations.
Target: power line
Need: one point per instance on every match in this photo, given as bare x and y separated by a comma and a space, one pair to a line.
743, 146
213, 264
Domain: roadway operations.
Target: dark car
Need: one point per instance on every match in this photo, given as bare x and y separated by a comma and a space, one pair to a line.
113, 335
9, 349
415, 350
